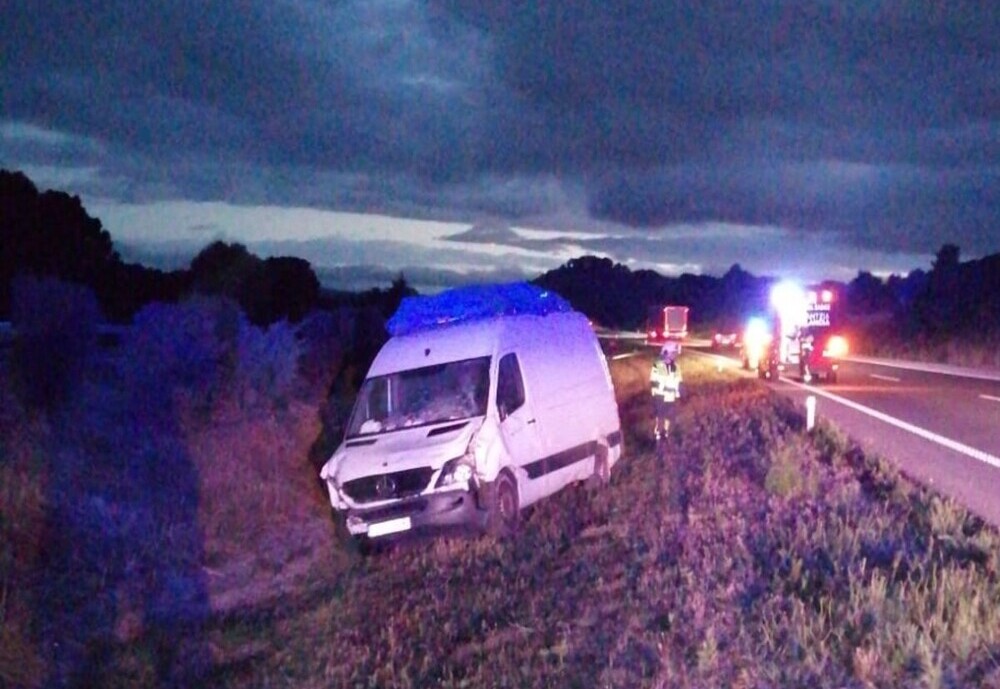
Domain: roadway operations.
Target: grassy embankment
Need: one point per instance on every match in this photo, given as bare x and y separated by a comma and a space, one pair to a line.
752, 553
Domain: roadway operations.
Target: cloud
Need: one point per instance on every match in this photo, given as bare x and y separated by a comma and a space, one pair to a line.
487, 234
629, 123
888, 207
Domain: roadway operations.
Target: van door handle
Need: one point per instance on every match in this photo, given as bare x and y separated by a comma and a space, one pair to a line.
531, 421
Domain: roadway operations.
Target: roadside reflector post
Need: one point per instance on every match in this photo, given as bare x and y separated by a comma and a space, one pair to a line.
810, 412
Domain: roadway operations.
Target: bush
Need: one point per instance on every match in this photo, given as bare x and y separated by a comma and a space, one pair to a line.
56, 324
266, 364
322, 342
191, 345
207, 351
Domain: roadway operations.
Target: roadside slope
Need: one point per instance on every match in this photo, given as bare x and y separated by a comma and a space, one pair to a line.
749, 553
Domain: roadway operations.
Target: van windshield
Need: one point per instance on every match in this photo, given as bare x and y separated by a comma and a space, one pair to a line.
421, 396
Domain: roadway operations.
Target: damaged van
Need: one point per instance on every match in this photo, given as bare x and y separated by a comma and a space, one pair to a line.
484, 400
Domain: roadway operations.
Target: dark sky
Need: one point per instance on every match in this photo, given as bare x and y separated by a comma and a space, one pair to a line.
471, 139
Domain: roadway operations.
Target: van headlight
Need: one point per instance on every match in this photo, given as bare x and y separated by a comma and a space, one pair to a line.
454, 471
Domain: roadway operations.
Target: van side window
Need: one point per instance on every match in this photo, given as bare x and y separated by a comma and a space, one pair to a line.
510, 387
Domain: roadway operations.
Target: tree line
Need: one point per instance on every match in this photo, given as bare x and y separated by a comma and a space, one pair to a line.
51, 234
952, 300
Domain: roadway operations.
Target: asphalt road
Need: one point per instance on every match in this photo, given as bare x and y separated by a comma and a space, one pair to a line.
939, 424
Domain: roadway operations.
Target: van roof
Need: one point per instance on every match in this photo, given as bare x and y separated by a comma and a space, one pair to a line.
473, 303
455, 342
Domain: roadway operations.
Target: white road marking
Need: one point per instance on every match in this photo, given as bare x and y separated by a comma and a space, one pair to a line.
625, 355
991, 398
979, 455
888, 378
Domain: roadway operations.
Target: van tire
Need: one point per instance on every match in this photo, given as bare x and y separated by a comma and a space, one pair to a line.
503, 506
602, 470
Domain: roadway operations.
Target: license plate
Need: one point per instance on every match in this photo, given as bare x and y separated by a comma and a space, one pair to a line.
391, 526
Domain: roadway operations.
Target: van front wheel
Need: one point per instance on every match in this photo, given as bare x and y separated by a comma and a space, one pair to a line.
502, 506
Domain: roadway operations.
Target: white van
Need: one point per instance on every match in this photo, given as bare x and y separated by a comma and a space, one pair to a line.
469, 418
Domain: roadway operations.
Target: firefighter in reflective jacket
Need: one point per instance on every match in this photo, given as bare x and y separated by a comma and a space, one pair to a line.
665, 384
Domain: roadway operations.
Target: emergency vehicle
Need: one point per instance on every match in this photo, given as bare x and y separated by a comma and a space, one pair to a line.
806, 333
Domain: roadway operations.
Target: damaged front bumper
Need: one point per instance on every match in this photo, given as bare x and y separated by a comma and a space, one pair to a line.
433, 511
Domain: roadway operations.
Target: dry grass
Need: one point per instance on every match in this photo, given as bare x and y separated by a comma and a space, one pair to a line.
263, 514
22, 525
883, 340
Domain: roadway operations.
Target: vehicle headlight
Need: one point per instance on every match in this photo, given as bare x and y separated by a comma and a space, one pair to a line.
454, 471
836, 347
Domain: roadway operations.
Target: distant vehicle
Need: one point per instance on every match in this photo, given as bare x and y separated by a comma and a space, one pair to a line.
806, 334
472, 411
726, 338
665, 323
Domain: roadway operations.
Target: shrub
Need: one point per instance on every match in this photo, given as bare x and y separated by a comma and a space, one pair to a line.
191, 346
266, 364
322, 338
56, 324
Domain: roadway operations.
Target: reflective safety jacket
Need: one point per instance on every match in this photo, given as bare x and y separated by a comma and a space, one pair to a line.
665, 380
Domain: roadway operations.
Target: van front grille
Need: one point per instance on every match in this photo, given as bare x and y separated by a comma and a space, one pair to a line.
398, 484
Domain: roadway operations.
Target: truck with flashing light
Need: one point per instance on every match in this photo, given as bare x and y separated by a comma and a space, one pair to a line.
666, 323
805, 333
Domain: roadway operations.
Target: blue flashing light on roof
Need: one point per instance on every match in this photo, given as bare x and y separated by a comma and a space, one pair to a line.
473, 303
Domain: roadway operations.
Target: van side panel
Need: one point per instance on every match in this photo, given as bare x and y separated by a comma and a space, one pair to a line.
569, 387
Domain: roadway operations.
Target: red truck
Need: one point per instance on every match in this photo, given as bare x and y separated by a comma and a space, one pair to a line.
806, 335
666, 323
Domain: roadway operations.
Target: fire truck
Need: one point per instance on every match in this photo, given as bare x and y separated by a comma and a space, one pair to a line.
805, 335
665, 323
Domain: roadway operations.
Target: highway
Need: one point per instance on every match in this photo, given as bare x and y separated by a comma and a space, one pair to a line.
940, 425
